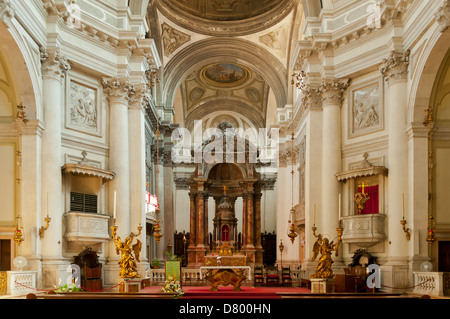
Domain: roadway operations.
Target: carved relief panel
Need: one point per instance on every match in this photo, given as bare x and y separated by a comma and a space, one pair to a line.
83, 111
366, 109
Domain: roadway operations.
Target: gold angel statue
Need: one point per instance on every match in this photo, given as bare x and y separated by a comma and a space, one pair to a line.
325, 248
127, 262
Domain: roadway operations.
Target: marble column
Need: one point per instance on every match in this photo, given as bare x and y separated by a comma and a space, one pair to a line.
205, 220
136, 137
200, 220
250, 222
244, 220
258, 244
54, 68
312, 99
119, 162
332, 95
192, 232
395, 71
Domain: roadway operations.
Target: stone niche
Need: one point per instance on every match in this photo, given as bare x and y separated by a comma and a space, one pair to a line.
85, 223
363, 230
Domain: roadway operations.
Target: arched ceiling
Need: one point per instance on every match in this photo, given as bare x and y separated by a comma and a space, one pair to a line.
225, 55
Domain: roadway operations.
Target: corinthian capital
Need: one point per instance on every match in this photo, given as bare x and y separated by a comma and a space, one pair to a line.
54, 64
395, 68
311, 98
443, 16
6, 12
138, 96
118, 88
332, 90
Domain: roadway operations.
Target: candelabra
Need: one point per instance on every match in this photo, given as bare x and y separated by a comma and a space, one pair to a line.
18, 235
403, 220
127, 262
157, 231
43, 229
292, 232
281, 247
406, 230
430, 236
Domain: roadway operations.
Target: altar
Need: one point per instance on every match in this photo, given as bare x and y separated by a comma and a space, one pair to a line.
225, 269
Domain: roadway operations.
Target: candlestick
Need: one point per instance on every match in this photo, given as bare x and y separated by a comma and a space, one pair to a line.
314, 214
403, 205
339, 206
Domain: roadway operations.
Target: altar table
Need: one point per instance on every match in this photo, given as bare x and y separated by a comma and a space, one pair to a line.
225, 275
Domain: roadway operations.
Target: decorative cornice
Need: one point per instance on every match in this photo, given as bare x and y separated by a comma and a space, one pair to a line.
442, 16
395, 68
7, 12
54, 64
332, 90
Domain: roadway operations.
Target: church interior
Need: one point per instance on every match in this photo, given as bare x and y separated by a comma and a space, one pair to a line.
157, 148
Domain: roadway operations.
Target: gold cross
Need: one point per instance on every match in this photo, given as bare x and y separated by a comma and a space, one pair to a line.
363, 185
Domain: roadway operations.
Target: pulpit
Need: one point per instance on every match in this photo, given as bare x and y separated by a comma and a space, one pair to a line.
91, 270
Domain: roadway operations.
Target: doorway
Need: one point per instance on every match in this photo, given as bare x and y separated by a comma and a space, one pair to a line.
5, 254
444, 256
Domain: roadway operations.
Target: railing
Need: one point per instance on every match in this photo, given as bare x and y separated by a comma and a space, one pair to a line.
431, 283
157, 277
21, 282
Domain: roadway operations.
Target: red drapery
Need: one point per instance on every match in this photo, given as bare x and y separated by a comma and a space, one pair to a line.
371, 206
225, 233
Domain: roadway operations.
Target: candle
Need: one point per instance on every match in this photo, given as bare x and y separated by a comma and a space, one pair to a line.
339, 206
114, 204
314, 214
403, 205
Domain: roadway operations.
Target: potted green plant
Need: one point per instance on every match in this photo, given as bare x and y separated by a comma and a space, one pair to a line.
156, 263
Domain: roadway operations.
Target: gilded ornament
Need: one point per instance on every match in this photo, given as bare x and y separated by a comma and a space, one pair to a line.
129, 253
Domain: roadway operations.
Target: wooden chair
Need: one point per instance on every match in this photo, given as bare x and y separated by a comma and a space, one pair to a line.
258, 276
272, 276
286, 278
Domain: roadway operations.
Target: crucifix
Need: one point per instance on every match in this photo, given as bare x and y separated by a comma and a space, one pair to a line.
362, 187
225, 231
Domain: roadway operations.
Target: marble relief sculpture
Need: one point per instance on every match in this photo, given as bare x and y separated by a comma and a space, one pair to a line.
366, 109
172, 39
83, 109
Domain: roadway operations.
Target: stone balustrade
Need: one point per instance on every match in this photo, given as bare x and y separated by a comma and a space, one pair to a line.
432, 283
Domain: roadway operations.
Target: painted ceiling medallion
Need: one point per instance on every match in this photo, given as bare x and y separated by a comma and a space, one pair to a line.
225, 74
